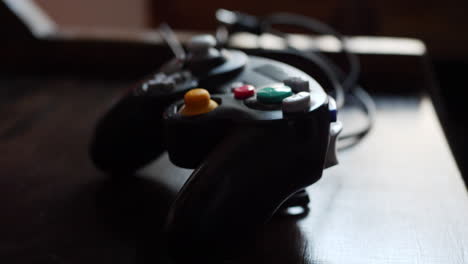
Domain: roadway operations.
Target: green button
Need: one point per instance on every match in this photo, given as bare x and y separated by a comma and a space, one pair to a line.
273, 95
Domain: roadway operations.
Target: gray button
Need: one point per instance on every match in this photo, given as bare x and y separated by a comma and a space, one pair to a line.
156, 87
297, 84
176, 77
159, 76
160, 84
299, 102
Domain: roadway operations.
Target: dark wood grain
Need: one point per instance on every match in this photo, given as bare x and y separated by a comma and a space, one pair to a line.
48, 186
397, 198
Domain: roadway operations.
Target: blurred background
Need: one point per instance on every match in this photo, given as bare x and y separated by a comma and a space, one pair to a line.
439, 23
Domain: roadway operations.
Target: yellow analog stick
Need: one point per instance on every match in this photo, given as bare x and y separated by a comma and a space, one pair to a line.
197, 101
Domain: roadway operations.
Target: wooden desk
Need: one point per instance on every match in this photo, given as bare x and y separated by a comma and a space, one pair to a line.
396, 198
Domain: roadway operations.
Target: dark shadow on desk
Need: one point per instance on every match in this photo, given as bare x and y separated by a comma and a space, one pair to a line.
135, 209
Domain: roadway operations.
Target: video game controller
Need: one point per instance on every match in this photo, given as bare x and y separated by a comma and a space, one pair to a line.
256, 131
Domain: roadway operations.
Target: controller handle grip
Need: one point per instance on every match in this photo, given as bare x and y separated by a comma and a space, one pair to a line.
130, 135
236, 190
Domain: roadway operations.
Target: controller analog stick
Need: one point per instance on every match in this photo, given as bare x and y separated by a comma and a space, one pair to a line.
201, 43
203, 48
197, 101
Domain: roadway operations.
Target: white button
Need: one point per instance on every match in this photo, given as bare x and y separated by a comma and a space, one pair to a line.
299, 102
297, 84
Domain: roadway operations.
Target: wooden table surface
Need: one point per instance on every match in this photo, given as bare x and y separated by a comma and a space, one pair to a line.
396, 198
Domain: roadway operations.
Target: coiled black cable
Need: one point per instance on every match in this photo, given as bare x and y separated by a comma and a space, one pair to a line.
345, 84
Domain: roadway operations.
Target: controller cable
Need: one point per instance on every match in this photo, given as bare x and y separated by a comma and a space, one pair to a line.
344, 84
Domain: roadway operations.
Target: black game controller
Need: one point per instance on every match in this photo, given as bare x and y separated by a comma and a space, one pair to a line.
130, 135
257, 132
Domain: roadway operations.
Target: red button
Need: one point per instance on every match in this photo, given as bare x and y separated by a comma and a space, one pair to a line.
244, 91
